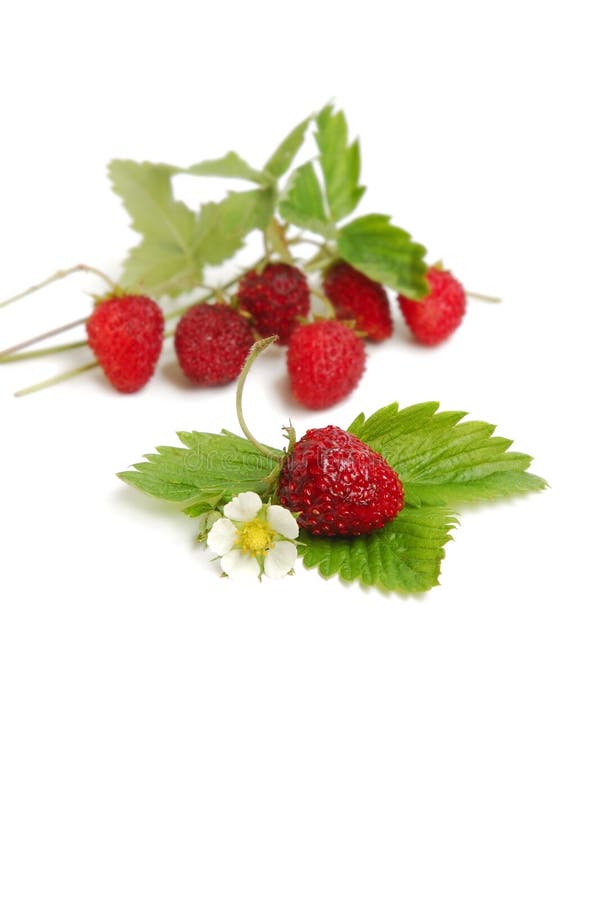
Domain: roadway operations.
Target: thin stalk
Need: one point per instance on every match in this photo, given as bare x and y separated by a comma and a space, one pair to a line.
256, 350
41, 385
331, 313
47, 351
40, 337
485, 297
57, 276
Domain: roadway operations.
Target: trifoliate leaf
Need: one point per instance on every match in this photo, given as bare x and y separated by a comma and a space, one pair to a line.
283, 156
443, 460
222, 227
303, 203
404, 556
229, 166
385, 253
178, 243
208, 466
168, 226
340, 163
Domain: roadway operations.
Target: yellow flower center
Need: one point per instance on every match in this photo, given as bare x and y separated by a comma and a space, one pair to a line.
255, 537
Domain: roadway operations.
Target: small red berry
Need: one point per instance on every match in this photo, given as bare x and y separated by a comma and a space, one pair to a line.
338, 484
212, 343
325, 361
275, 299
356, 297
434, 318
126, 335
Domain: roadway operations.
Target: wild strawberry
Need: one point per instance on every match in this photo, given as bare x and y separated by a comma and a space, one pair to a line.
354, 296
325, 361
434, 318
125, 334
275, 299
212, 343
338, 484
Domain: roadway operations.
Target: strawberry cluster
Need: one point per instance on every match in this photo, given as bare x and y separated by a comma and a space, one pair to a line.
326, 355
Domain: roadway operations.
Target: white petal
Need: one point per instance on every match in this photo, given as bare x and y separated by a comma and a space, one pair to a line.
244, 507
222, 536
281, 520
240, 566
280, 559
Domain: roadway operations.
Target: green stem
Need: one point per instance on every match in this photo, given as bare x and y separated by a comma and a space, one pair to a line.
33, 354
485, 297
41, 385
40, 337
57, 276
256, 350
180, 311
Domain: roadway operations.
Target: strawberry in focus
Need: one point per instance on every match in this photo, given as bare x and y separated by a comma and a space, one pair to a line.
126, 333
440, 313
338, 484
212, 343
325, 361
356, 297
275, 298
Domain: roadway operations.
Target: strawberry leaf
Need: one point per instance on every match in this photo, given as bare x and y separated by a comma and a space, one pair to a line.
177, 243
385, 253
340, 163
443, 460
285, 153
229, 166
209, 469
404, 556
303, 202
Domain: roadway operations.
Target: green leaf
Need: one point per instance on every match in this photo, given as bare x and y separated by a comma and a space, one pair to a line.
229, 166
222, 227
168, 226
283, 156
340, 163
404, 556
303, 203
178, 243
209, 466
385, 253
443, 460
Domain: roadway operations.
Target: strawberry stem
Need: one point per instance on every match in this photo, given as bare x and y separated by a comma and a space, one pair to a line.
331, 313
47, 351
41, 385
255, 351
485, 297
41, 337
57, 276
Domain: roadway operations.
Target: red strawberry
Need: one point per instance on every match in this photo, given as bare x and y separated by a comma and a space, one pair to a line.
275, 299
126, 334
354, 296
212, 343
434, 318
338, 484
325, 361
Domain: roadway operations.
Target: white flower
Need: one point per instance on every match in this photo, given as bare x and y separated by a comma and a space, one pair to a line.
252, 538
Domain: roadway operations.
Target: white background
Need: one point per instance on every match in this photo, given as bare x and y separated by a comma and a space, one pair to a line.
168, 734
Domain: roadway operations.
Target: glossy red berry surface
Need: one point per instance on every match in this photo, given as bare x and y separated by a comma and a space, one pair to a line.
440, 313
325, 361
275, 298
126, 335
356, 297
339, 485
212, 343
